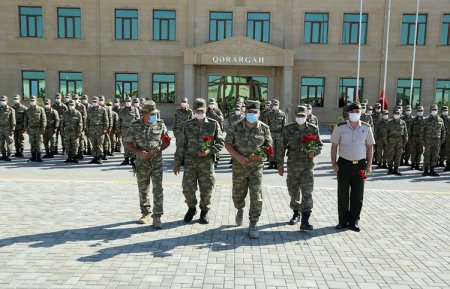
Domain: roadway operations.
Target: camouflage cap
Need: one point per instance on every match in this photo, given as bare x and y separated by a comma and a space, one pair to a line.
252, 104
308, 106
408, 107
68, 95
275, 102
75, 97
385, 112
71, 102
199, 103
116, 100
84, 97
101, 97
33, 97
301, 109
444, 108
149, 106
268, 102
95, 98
433, 107
3, 98
397, 110
211, 100
48, 101
363, 105
420, 108
109, 103
369, 107
128, 99
353, 106
238, 105
58, 96
136, 100
377, 105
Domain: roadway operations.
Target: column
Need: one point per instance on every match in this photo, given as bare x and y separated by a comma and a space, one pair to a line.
189, 82
288, 76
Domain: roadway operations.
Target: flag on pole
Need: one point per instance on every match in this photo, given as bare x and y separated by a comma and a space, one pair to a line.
383, 100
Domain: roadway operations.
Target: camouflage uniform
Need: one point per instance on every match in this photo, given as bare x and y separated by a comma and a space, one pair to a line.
300, 176
72, 125
35, 123
118, 144
182, 115
215, 113
60, 108
114, 121
107, 139
97, 125
377, 116
396, 139
312, 119
85, 143
408, 119
82, 145
433, 135
248, 177
381, 129
416, 141
276, 119
127, 115
20, 111
198, 169
52, 117
7, 127
234, 117
367, 118
446, 145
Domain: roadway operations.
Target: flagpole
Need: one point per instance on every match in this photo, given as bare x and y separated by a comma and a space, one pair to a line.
411, 91
386, 53
359, 49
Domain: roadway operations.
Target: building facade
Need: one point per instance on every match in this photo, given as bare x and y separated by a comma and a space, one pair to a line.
297, 51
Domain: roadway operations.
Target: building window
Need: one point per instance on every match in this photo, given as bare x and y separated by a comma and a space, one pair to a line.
347, 91
445, 33
164, 25
220, 25
71, 83
312, 91
31, 22
350, 33
33, 84
258, 26
443, 92
408, 28
316, 28
69, 23
126, 24
404, 92
163, 88
126, 85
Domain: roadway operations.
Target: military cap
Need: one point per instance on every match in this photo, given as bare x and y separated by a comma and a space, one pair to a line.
252, 104
377, 105
17, 97
301, 109
128, 99
136, 100
275, 102
420, 107
68, 95
84, 97
101, 97
58, 96
71, 102
75, 97
369, 107
33, 97
397, 110
3, 98
199, 103
238, 105
444, 108
308, 106
149, 106
268, 102
116, 100
363, 105
398, 107
408, 107
385, 112
434, 106
211, 100
353, 106
109, 103
47, 101
95, 98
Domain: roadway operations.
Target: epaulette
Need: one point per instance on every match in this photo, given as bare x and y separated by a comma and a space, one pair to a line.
212, 120
312, 125
368, 124
263, 124
341, 123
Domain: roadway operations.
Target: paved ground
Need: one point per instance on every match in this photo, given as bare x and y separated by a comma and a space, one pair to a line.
73, 226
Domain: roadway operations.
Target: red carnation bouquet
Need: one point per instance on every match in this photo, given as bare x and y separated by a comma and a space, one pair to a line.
165, 138
264, 151
207, 140
309, 143
362, 174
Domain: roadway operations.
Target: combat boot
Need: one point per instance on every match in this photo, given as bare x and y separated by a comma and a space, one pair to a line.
68, 160
425, 172
126, 162
295, 218
447, 168
104, 157
253, 231
204, 219
441, 164
8, 157
47, 154
305, 225
17, 153
21, 153
379, 166
413, 166
33, 157
110, 153
433, 173
93, 161
55, 151
157, 224
239, 217
98, 160
145, 218
396, 172
190, 214
74, 160
270, 166
3, 158
38, 158
418, 168
390, 171
384, 166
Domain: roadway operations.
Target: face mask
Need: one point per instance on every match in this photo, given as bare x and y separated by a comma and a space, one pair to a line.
68, 98
152, 118
84, 101
101, 102
116, 104
434, 112
237, 112
71, 107
252, 117
128, 104
136, 104
95, 104
354, 116
300, 120
3, 103
408, 112
396, 116
420, 113
363, 111
47, 106
16, 101
386, 116
378, 110
369, 112
183, 105
33, 103
212, 106
445, 113
309, 111
275, 107
58, 100
200, 116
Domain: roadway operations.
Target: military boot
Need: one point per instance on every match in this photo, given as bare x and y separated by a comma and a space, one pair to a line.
104, 157
74, 160
239, 217
55, 151
38, 157
305, 225
21, 153
3, 158
447, 168
204, 219
93, 161
379, 165
110, 153
157, 224
384, 166
433, 173
33, 157
17, 153
425, 172
126, 162
441, 164
390, 171
418, 168
190, 214
413, 166
396, 172
145, 218
8, 157
253, 231
295, 218
47, 154
68, 160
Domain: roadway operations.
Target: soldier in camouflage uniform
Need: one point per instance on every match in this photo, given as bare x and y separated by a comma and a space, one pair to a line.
118, 145
300, 165
443, 151
85, 144
415, 141
275, 119
127, 115
20, 111
433, 135
396, 139
377, 116
380, 135
236, 115
137, 105
265, 111
60, 108
35, 123
365, 117
96, 127
147, 138
215, 113
114, 123
408, 119
107, 139
311, 117
243, 142
198, 154
53, 123
7, 127
182, 114
81, 107
72, 125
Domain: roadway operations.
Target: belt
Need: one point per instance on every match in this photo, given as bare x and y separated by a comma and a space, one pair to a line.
353, 162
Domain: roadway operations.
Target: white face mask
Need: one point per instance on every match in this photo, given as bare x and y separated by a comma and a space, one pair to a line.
309, 111
212, 106
386, 116
68, 98
434, 112
354, 116
396, 116
116, 104
136, 104
369, 112
363, 111
237, 112
16, 101
101, 102
71, 106
47, 106
300, 120
275, 107
408, 112
445, 113
128, 104
84, 101
184, 105
3, 103
33, 103
200, 116
58, 100
377, 110
420, 113
95, 104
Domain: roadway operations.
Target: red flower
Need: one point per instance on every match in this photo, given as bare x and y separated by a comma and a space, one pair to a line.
207, 138
362, 174
309, 137
268, 150
165, 139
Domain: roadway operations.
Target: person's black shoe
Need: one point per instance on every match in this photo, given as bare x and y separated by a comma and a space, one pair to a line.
270, 166
418, 168
447, 168
33, 157
425, 172
190, 214
38, 158
295, 218
384, 166
379, 166
396, 172
305, 225
441, 164
413, 166
75, 161
275, 166
110, 153
433, 173
104, 157
93, 161
99, 161
390, 171
204, 219
126, 161
354, 227
80, 156
47, 155
340, 226
55, 152
68, 160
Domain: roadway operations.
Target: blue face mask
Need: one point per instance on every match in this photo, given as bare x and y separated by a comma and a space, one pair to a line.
251, 117
152, 118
